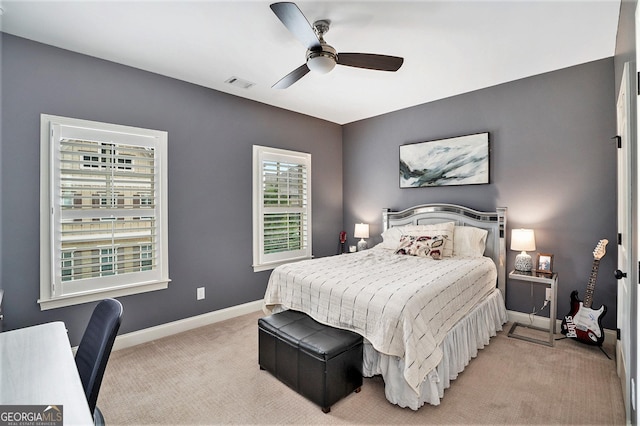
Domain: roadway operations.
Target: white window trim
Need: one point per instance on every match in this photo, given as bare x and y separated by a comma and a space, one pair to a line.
47, 299
259, 153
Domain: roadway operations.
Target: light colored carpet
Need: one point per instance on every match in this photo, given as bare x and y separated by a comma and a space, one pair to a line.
210, 375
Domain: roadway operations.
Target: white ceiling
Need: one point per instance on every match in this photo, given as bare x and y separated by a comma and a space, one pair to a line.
450, 47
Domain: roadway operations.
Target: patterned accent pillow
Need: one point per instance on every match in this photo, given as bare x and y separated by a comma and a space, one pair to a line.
391, 236
422, 246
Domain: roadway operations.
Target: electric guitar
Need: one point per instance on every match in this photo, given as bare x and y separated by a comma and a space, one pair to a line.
583, 323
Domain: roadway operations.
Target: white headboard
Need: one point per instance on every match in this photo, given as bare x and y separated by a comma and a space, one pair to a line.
494, 222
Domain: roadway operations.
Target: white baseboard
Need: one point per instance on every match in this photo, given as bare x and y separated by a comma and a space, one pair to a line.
153, 333
543, 322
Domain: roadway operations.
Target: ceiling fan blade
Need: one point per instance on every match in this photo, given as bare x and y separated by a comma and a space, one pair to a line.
370, 61
296, 23
292, 77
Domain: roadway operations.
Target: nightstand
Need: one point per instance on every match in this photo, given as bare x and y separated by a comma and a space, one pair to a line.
548, 280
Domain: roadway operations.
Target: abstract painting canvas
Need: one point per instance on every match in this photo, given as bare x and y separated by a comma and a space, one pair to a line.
462, 160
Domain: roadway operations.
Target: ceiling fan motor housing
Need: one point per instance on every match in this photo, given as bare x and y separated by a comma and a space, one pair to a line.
324, 59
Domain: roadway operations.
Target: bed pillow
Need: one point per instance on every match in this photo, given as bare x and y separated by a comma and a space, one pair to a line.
422, 246
469, 241
391, 237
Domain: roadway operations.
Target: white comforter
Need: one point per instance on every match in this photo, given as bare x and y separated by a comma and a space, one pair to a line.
403, 305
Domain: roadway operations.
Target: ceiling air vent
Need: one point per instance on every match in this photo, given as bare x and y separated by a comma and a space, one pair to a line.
238, 82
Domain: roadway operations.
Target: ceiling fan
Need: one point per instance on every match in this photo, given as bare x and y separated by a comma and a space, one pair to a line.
321, 57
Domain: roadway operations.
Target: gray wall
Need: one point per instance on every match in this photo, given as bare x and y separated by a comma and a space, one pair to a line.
553, 165
210, 146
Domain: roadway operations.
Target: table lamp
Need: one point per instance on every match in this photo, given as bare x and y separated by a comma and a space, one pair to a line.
523, 240
362, 232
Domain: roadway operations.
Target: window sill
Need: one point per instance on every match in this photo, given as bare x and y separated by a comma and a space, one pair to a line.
76, 299
273, 265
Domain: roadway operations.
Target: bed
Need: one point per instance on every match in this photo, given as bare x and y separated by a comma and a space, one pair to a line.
425, 299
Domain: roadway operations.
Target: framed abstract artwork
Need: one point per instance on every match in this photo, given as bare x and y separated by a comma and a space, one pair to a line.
461, 160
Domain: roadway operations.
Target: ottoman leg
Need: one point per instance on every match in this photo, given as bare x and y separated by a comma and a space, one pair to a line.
326, 409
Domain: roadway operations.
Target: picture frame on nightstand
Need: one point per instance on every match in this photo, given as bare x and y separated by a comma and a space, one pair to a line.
544, 263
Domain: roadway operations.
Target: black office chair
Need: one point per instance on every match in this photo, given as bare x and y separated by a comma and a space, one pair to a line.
95, 348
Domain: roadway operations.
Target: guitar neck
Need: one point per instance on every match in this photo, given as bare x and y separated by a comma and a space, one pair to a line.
588, 296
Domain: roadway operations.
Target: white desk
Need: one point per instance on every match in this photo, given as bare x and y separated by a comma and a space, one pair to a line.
37, 368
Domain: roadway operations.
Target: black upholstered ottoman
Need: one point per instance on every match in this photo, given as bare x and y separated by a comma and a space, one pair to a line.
322, 363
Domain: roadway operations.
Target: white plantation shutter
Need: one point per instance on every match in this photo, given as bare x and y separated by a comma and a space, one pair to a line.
282, 207
107, 217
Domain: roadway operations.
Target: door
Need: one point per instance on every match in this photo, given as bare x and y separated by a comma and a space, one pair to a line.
625, 241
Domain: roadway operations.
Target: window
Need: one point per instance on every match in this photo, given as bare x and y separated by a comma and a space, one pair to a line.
67, 266
281, 207
146, 262
104, 211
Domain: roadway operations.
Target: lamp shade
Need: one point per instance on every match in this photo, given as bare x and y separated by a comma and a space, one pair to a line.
523, 240
361, 231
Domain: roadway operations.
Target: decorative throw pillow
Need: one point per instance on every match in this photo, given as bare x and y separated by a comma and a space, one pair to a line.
445, 229
422, 246
391, 237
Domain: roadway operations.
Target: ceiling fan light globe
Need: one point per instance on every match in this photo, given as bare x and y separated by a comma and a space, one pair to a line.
320, 63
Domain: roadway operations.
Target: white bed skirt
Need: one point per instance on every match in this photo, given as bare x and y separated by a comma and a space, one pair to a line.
459, 346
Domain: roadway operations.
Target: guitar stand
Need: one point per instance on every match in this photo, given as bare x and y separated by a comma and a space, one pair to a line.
599, 346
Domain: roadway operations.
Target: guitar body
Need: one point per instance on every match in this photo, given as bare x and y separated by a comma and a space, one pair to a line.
582, 323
